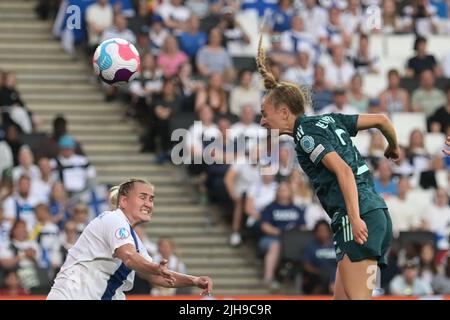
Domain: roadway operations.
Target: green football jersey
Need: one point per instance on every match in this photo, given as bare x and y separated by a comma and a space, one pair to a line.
314, 137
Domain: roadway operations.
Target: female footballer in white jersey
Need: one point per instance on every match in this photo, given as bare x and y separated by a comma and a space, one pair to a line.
102, 263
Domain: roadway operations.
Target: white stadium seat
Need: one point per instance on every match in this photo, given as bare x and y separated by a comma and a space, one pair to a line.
434, 143
406, 122
442, 178
362, 142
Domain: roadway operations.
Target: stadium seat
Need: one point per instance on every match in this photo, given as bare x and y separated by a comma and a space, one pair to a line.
421, 196
405, 122
434, 143
442, 178
415, 237
293, 244
244, 63
362, 142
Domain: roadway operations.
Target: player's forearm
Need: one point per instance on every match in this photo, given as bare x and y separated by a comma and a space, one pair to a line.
141, 265
387, 129
347, 184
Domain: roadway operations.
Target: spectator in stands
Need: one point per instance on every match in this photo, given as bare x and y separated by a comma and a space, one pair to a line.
48, 147
245, 94
192, 39
441, 282
420, 18
285, 163
427, 98
335, 29
26, 165
384, 182
46, 234
316, 16
6, 155
402, 167
392, 23
296, 36
394, 98
25, 256
174, 14
302, 192
68, 237
409, 283
422, 60
164, 108
99, 17
417, 154
355, 95
406, 215
428, 268
213, 58
14, 141
338, 71
73, 170
167, 250
171, 58
142, 89
119, 30
376, 149
190, 85
151, 247
41, 187
364, 61
238, 180
5, 228
280, 18
437, 217
278, 217
16, 112
80, 215
59, 204
302, 72
157, 34
213, 95
340, 104
352, 18
261, 193
322, 96
246, 132
319, 261
12, 286
440, 120
279, 55
234, 35
20, 205
224, 154
210, 20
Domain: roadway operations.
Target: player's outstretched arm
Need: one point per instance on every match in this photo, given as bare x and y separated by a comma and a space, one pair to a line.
184, 280
382, 123
447, 142
133, 260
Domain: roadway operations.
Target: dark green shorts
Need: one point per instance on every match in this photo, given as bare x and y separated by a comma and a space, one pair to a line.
379, 226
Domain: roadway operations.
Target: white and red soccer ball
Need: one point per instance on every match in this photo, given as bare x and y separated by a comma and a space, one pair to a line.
116, 61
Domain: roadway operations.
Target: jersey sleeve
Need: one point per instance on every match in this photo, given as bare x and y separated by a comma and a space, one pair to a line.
314, 143
116, 232
350, 122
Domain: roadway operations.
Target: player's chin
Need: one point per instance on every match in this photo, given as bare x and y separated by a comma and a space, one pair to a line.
146, 216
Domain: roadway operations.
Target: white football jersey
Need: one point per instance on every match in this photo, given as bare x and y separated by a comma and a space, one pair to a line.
91, 272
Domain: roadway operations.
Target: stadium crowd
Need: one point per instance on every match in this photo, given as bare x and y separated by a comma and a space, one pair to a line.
193, 68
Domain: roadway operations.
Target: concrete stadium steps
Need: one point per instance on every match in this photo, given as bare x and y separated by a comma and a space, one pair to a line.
17, 57
52, 82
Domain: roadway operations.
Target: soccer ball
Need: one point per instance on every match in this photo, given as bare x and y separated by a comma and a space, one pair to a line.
116, 61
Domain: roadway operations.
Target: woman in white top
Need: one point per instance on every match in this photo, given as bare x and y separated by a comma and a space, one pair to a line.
102, 263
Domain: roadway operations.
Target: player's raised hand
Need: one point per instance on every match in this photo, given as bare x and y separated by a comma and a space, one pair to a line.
204, 283
392, 152
447, 142
360, 232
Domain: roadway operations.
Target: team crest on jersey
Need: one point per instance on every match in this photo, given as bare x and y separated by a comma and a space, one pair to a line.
307, 143
122, 233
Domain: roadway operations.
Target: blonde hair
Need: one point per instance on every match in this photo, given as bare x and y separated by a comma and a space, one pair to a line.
294, 97
113, 197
